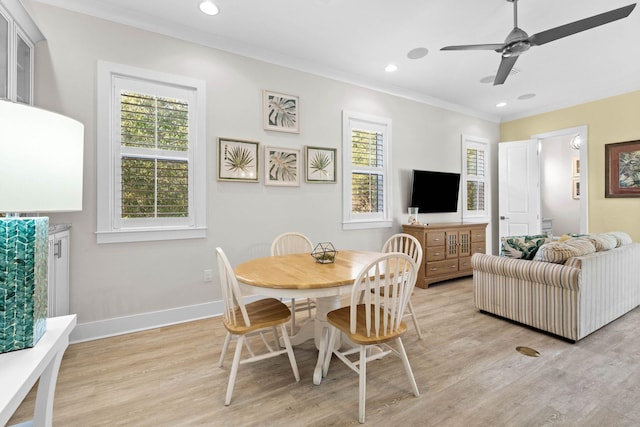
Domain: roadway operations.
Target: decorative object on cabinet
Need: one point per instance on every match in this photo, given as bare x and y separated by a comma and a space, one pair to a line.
447, 249
280, 112
40, 171
324, 253
622, 169
320, 164
18, 35
237, 160
282, 167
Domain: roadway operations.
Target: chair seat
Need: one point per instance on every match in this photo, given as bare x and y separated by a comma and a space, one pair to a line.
340, 319
263, 313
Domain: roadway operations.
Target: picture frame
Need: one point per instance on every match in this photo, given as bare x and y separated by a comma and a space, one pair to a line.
575, 188
320, 165
281, 112
282, 166
238, 160
622, 169
575, 166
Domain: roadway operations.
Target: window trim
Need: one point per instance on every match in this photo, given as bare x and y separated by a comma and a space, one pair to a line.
351, 221
479, 143
108, 230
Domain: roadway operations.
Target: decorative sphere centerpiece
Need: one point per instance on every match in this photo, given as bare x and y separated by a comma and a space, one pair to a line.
324, 253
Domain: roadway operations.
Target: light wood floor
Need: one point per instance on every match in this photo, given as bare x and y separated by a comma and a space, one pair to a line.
467, 370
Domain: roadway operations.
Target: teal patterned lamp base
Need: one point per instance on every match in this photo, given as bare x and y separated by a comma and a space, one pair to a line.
23, 281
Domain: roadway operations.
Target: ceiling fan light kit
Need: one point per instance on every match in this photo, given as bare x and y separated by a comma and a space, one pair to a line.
518, 41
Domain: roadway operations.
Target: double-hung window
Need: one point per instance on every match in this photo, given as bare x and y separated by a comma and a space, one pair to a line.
475, 179
151, 170
366, 142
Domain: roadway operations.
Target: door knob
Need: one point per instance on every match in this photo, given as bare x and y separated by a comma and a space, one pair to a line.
504, 217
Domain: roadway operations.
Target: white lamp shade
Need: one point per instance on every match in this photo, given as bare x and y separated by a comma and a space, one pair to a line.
41, 156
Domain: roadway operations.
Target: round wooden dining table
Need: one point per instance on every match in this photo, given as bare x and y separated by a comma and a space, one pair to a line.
300, 276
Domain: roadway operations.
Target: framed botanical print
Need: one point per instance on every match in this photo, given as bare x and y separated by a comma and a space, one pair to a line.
282, 166
320, 164
280, 112
622, 169
237, 160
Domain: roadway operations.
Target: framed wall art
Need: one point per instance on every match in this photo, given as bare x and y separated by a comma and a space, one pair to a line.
237, 160
575, 166
575, 188
622, 169
320, 164
280, 112
282, 166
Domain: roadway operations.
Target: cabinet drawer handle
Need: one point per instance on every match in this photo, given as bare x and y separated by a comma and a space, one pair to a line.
453, 266
433, 269
436, 240
437, 254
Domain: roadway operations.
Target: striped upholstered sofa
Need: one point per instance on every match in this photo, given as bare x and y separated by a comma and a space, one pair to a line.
570, 300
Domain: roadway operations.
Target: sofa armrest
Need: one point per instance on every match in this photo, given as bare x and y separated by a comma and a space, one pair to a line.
532, 271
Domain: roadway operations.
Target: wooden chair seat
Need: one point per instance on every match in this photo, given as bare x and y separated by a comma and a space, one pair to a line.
341, 319
263, 313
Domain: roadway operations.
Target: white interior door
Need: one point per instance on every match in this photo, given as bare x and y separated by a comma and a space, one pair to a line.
519, 188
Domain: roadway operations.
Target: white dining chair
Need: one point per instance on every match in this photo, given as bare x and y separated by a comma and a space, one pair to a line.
242, 320
375, 322
294, 243
407, 244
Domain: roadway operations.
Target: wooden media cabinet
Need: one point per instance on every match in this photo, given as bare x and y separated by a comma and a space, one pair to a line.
447, 249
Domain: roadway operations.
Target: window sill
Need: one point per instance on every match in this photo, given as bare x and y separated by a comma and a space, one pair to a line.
150, 235
363, 225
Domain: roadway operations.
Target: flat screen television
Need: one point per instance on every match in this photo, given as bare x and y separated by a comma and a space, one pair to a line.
435, 192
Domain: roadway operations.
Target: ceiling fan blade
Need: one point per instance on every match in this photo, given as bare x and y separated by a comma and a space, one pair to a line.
506, 64
495, 46
581, 25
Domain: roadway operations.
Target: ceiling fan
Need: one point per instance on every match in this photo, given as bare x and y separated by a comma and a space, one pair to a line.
518, 41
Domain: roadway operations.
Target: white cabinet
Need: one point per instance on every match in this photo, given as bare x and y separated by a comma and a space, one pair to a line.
58, 289
18, 34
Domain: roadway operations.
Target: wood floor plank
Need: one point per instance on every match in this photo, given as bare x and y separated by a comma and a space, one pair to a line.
467, 370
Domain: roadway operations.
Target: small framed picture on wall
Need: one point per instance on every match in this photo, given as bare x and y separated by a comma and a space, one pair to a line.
320, 164
281, 112
282, 167
237, 160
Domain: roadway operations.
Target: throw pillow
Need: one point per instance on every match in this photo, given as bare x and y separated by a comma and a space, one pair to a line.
524, 247
584, 247
601, 242
621, 237
556, 252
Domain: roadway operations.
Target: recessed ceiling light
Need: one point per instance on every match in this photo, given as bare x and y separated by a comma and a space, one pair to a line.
417, 53
209, 8
391, 68
527, 96
501, 104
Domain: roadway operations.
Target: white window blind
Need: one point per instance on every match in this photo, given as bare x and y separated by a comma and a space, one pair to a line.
154, 143
367, 177
476, 182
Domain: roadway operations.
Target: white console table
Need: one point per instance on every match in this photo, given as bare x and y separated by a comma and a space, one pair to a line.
19, 371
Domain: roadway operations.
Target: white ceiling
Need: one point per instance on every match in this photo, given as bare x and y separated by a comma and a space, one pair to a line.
353, 40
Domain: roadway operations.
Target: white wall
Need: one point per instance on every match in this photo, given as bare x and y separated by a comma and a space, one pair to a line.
113, 286
556, 177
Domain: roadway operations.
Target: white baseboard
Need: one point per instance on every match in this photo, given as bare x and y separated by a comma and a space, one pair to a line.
140, 322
